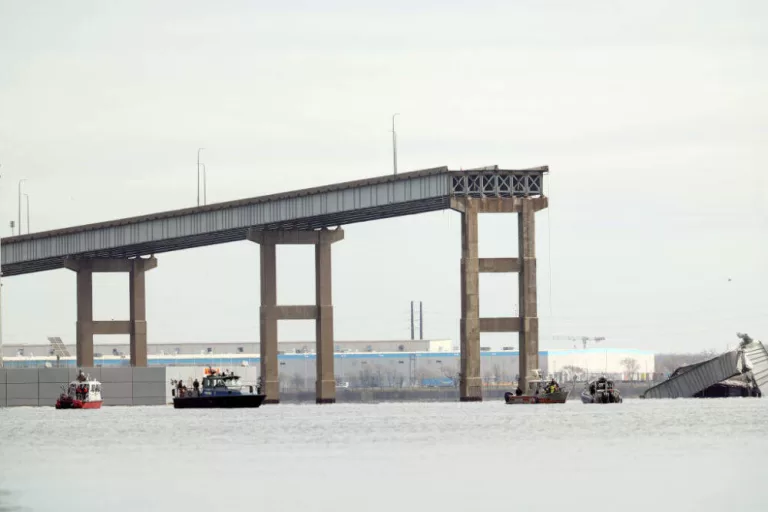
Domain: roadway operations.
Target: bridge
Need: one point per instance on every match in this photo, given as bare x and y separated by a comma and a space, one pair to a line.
749, 359
310, 216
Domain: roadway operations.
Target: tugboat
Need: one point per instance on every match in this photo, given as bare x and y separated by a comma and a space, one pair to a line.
218, 390
601, 391
540, 391
83, 393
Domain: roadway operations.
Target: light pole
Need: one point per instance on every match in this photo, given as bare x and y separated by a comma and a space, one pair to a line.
27, 197
1, 302
205, 185
198, 175
20, 182
394, 144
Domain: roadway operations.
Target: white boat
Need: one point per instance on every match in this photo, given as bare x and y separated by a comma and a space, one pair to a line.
82, 393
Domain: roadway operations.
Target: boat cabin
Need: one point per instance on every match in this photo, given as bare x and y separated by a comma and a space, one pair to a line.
537, 383
85, 390
601, 385
216, 384
219, 381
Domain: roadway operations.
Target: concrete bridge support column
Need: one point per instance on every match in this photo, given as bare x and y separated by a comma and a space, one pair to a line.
325, 385
321, 312
136, 326
529, 319
268, 324
527, 323
470, 384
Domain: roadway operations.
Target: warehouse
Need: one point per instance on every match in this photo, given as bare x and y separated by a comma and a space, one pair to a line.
393, 363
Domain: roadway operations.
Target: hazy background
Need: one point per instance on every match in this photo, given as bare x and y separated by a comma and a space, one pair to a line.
652, 118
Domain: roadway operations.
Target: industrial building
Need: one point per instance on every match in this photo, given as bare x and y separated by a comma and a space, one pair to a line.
215, 349
379, 363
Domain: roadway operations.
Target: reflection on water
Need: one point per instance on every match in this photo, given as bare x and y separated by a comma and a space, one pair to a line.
637, 456
6, 502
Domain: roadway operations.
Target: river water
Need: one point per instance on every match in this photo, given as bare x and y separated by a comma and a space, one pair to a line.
637, 456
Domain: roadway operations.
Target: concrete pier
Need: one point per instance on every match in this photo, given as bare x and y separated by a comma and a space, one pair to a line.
471, 325
321, 312
470, 384
136, 326
529, 319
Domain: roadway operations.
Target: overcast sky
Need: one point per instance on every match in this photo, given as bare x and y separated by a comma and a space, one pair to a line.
651, 116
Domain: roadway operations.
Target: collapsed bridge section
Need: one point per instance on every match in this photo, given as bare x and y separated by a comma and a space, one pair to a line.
745, 367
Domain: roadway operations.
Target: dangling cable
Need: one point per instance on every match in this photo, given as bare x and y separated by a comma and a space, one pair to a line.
549, 256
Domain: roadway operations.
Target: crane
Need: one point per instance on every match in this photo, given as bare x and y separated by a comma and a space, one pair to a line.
584, 339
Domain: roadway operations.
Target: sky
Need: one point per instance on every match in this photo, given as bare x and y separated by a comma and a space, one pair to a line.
651, 116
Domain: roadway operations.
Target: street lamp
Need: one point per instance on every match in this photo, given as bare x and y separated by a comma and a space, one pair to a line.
20, 182
205, 185
1, 308
27, 197
394, 144
198, 175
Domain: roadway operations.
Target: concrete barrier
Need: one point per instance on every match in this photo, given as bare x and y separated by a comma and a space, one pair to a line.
2, 387
149, 386
54, 376
21, 387
21, 376
117, 386
120, 386
117, 374
50, 384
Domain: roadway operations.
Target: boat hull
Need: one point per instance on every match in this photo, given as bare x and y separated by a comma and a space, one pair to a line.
558, 397
78, 404
219, 402
586, 398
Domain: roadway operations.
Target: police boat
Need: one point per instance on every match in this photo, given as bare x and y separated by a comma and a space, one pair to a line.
218, 390
601, 391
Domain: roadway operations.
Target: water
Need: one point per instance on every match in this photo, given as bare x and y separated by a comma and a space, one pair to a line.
640, 455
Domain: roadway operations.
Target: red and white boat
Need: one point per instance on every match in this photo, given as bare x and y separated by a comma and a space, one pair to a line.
83, 393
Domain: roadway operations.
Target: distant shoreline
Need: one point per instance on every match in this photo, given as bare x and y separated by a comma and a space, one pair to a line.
375, 395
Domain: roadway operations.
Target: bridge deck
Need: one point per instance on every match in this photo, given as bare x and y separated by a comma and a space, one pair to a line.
698, 377
320, 207
757, 359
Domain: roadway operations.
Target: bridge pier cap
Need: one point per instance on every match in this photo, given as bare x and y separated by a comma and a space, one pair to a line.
135, 326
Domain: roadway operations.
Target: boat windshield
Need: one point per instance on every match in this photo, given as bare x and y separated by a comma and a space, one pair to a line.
214, 382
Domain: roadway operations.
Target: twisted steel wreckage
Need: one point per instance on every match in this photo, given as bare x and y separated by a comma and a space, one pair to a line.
739, 372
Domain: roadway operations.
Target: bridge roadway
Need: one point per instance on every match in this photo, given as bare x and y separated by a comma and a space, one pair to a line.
314, 208
303, 217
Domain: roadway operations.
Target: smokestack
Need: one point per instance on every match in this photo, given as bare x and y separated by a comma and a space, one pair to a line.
421, 320
412, 326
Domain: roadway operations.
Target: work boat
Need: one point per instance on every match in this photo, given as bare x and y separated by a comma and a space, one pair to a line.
540, 391
601, 391
83, 393
218, 390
